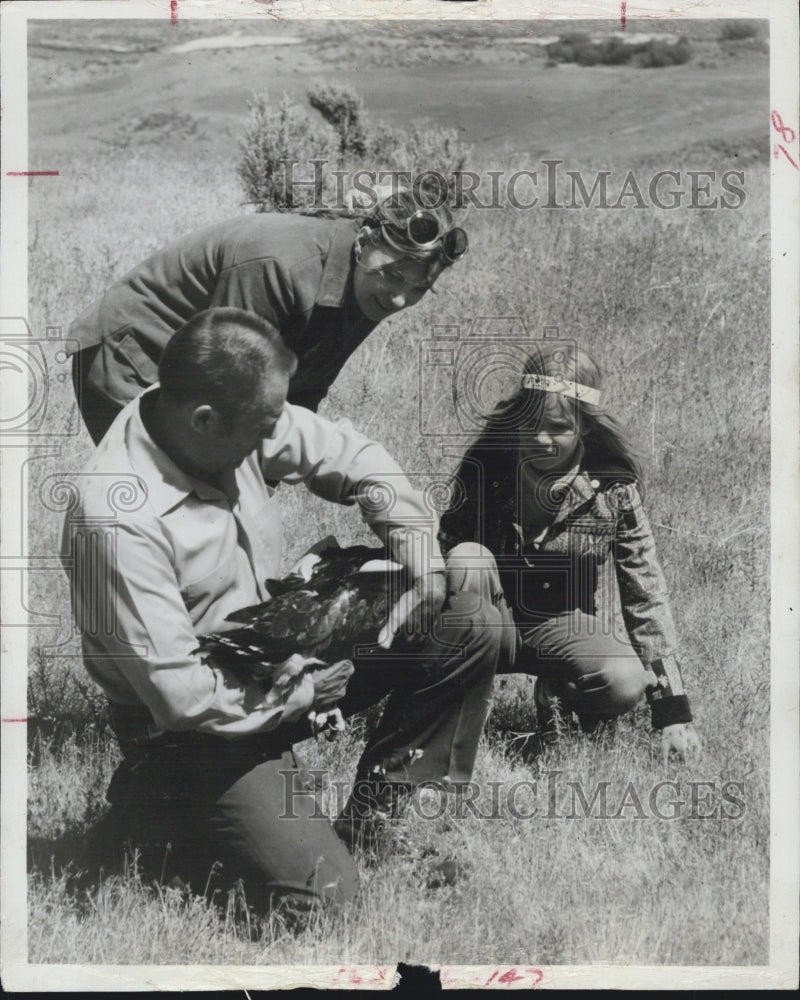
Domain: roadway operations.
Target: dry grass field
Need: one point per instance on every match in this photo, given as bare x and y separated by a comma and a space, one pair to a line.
675, 305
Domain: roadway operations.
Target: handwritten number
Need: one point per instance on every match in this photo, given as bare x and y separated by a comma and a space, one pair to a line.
782, 149
786, 132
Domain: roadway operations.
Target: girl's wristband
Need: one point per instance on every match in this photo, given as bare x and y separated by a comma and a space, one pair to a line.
670, 711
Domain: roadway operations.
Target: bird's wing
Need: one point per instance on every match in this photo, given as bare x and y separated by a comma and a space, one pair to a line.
342, 606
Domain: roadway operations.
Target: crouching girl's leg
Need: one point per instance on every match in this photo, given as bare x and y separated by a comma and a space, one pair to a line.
596, 675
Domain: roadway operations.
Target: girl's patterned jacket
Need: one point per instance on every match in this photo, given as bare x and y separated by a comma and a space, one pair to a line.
598, 525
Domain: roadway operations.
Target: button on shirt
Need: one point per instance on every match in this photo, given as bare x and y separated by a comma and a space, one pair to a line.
156, 557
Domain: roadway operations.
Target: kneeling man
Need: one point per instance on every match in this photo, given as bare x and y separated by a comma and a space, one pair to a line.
193, 536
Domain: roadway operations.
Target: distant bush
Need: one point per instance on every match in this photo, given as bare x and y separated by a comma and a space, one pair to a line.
737, 31
657, 54
62, 702
568, 46
615, 52
347, 140
579, 48
275, 137
343, 110
422, 150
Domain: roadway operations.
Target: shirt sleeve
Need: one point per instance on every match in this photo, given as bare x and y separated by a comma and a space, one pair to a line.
338, 463
128, 608
645, 604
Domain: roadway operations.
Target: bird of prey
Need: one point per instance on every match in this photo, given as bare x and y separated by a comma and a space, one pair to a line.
311, 622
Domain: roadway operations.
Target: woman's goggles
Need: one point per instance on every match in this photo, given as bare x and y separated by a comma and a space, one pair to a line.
426, 233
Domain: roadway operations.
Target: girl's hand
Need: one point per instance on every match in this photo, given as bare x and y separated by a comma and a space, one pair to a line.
681, 738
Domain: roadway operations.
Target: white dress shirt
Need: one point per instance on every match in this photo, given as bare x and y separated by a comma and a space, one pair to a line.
156, 557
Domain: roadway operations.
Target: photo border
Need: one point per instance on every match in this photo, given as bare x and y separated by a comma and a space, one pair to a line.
781, 972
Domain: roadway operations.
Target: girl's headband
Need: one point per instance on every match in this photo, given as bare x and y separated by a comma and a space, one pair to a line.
564, 387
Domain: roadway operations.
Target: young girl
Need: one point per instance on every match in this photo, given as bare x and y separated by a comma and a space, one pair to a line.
546, 522
324, 280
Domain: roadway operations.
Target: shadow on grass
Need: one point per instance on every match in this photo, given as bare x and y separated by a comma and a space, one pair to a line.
93, 863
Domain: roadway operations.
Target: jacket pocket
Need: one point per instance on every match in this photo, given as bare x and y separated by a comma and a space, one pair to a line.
134, 363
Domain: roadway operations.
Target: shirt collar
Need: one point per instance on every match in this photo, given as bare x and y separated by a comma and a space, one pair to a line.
578, 490
337, 272
167, 485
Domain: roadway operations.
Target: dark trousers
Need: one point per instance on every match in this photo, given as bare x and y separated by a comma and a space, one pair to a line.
596, 673
104, 383
239, 809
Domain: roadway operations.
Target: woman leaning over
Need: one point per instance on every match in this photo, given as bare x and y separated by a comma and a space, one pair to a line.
324, 280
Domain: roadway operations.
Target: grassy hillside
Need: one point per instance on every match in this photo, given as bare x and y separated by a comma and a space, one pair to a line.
675, 305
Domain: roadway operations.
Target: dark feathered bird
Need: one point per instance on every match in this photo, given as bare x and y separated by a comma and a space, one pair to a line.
324, 619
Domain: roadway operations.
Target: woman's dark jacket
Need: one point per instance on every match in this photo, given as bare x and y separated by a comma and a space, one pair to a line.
294, 271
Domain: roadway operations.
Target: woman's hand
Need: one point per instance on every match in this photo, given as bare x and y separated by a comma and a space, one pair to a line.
681, 738
417, 608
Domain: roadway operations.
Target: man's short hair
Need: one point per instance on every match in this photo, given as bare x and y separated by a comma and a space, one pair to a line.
222, 357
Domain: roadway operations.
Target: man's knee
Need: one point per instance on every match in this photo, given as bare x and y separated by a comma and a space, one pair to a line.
332, 881
469, 632
468, 617
471, 568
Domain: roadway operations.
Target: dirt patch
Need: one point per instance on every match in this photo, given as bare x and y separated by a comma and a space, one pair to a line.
235, 41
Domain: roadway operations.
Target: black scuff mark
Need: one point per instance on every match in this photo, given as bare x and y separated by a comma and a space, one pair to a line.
417, 981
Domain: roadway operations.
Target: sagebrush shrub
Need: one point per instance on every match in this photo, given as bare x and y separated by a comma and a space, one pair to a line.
657, 54
343, 110
347, 140
652, 54
275, 139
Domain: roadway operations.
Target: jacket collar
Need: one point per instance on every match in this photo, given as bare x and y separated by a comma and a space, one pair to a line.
167, 485
578, 492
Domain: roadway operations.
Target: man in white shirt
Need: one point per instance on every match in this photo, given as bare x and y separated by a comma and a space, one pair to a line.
173, 528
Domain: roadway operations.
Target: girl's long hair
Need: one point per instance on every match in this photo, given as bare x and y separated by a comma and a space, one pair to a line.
605, 442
